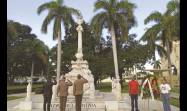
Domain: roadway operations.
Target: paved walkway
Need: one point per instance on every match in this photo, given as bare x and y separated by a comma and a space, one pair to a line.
143, 104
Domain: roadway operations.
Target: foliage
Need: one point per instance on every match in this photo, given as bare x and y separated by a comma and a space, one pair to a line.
58, 12
23, 47
156, 64
165, 30
113, 14
61, 14
118, 18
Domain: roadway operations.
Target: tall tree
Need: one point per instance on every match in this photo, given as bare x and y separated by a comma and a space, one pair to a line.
173, 9
21, 44
153, 43
60, 13
113, 14
37, 52
164, 29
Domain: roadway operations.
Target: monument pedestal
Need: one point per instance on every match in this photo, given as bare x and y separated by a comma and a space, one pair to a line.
81, 67
101, 102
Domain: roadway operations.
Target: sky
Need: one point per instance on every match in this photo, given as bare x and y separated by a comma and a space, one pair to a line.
25, 12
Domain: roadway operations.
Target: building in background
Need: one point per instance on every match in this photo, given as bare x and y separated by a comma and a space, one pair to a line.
175, 60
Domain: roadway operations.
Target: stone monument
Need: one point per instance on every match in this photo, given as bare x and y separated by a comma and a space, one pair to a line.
81, 67
93, 100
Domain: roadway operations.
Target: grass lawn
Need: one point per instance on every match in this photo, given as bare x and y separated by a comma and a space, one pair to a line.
173, 101
106, 87
176, 89
18, 86
13, 97
21, 88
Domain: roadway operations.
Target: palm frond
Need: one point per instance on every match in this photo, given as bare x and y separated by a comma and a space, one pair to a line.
56, 28
127, 6
155, 16
60, 2
46, 21
72, 11
152, 33
101, 4
173, 7
123, 26
161, 51
46, 6
98, 22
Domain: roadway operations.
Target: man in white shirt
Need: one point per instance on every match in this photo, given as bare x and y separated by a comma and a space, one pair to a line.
164, 89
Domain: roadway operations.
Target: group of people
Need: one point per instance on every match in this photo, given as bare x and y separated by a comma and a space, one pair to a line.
62, 91
164, 89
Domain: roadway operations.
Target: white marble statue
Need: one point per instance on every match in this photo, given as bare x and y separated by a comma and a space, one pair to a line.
29, 89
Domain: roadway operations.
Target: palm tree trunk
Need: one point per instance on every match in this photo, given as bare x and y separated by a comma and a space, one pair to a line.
32, 73
54, 89
114, 52
42, 73
59, 56
169, 61
118, 85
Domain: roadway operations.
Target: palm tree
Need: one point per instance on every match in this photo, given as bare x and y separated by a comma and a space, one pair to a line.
173, 9
163, 30
113, 14
60, 13
153, 43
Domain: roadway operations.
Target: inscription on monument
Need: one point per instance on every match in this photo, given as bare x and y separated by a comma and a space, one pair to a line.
69, 106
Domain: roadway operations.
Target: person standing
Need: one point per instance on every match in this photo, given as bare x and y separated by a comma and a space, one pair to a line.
62, 91
78, 91
133, 92
164, 89
47, 93
155, 87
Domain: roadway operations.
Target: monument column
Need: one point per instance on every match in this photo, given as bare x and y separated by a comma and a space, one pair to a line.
79, 29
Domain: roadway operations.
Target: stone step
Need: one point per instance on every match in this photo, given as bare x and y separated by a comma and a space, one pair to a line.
87, 106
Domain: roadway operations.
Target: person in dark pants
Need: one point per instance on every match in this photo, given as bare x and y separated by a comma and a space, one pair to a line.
133, 92
63, 92
78, 90
47, 93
